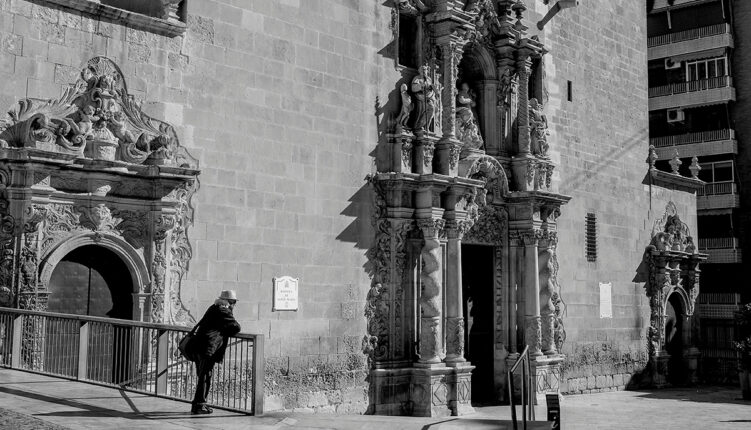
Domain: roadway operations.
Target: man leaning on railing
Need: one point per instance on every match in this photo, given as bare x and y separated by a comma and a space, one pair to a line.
213, 332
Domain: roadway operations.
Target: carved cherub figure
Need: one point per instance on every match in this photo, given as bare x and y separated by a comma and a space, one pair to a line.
86, 122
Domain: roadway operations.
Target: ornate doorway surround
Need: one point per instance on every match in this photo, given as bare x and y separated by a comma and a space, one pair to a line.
673, 276
90, 168
467, 159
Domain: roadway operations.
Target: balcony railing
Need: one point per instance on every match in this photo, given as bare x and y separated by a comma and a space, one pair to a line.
129, 355
689, 138
718, 243
694, 33
691, 86
718, 188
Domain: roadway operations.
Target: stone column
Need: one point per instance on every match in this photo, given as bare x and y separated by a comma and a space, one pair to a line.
454, 299
532, 323
524, 66
162, 224
431, 300
547, 288
449, 147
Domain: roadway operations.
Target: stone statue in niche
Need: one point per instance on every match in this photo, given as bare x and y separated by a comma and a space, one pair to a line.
467, 130
422, 86
538, 129
403, 119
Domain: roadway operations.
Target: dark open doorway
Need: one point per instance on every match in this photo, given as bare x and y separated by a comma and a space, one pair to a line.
674, 340
92, 280
477, 286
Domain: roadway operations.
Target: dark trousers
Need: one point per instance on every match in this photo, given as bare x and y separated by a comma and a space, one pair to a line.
204, 369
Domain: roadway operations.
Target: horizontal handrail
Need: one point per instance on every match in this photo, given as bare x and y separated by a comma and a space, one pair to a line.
719, 298
691, 86
694, 33
689, 138
117, 321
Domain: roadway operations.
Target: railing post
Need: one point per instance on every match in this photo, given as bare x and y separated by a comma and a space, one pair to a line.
15, 353
259, 370
162, 356
83, 350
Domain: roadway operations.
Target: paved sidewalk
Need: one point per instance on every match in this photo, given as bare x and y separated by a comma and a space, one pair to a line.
76, 405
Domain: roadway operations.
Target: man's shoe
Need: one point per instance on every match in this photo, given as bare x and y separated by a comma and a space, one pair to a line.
201, 411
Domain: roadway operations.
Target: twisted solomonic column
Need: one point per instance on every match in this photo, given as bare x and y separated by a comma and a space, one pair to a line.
431, 302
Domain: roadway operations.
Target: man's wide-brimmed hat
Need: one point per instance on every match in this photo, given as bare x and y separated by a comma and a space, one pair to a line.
228, 295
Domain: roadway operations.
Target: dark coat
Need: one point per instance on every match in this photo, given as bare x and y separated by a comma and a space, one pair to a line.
213, 332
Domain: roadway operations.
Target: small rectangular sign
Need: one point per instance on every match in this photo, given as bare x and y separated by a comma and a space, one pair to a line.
606, 300
285, 293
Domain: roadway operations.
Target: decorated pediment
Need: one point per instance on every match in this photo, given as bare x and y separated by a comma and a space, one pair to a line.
669, 233
95, 118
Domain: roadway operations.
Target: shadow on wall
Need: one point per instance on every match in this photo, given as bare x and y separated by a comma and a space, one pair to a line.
641, 138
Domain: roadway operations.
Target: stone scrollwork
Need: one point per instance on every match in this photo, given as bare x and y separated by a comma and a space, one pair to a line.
97, 118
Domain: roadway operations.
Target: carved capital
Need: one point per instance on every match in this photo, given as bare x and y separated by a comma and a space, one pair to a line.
431, 227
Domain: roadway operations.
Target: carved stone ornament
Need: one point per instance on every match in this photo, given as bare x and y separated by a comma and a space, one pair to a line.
95, 118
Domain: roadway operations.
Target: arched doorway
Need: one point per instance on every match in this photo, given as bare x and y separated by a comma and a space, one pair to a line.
674, 317
92, 280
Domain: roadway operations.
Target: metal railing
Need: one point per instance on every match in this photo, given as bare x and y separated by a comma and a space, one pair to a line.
527, 392
134, 356
694, 33
720, 298
691, 86
718, 243
689, 138
718, 188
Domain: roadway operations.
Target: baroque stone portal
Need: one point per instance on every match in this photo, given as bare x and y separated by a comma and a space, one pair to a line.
468, 163
90, 168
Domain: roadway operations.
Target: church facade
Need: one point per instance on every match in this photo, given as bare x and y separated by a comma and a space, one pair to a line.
451, 182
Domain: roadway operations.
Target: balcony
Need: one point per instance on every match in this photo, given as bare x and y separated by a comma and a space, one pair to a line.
721, 249
698, 144
718, 305
713, 37
693, 93
718, 195
662, 5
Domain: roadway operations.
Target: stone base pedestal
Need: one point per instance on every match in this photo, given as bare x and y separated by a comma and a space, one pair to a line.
659, 366
547, 375
691, 363
424, 390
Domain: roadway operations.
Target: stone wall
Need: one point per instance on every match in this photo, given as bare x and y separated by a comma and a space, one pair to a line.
600, 140
276, 98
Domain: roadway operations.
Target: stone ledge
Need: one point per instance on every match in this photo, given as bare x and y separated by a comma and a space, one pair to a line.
135, 20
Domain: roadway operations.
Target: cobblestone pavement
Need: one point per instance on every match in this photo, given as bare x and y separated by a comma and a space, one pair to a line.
31, 401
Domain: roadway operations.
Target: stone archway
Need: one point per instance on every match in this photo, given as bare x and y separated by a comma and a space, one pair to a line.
130, 258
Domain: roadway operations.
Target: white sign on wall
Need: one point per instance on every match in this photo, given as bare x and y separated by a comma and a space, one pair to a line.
285, 293
606, 300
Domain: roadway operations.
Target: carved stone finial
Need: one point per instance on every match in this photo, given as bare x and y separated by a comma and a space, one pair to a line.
675, 163
652, 157
694, 167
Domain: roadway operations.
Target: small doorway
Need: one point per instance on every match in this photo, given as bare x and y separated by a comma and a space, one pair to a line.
92, 280
674, 340
477, 290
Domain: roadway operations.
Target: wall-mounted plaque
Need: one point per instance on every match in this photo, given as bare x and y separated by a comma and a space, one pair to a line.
606, 300
285, 293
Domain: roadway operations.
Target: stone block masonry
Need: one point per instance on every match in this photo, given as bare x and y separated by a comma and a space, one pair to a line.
275, 98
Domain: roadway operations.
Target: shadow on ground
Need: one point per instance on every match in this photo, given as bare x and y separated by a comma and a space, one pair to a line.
698, 394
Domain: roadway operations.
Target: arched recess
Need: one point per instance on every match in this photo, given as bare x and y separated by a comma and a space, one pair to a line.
478, 69
133, 261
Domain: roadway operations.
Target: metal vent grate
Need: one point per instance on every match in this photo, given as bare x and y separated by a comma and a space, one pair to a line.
590, 236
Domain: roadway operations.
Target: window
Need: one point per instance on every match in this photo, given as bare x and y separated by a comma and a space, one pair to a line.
706, 69
719, 171
408, 32
590, 236
570, 90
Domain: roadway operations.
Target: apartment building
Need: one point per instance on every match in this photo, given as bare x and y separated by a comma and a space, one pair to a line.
694, 96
